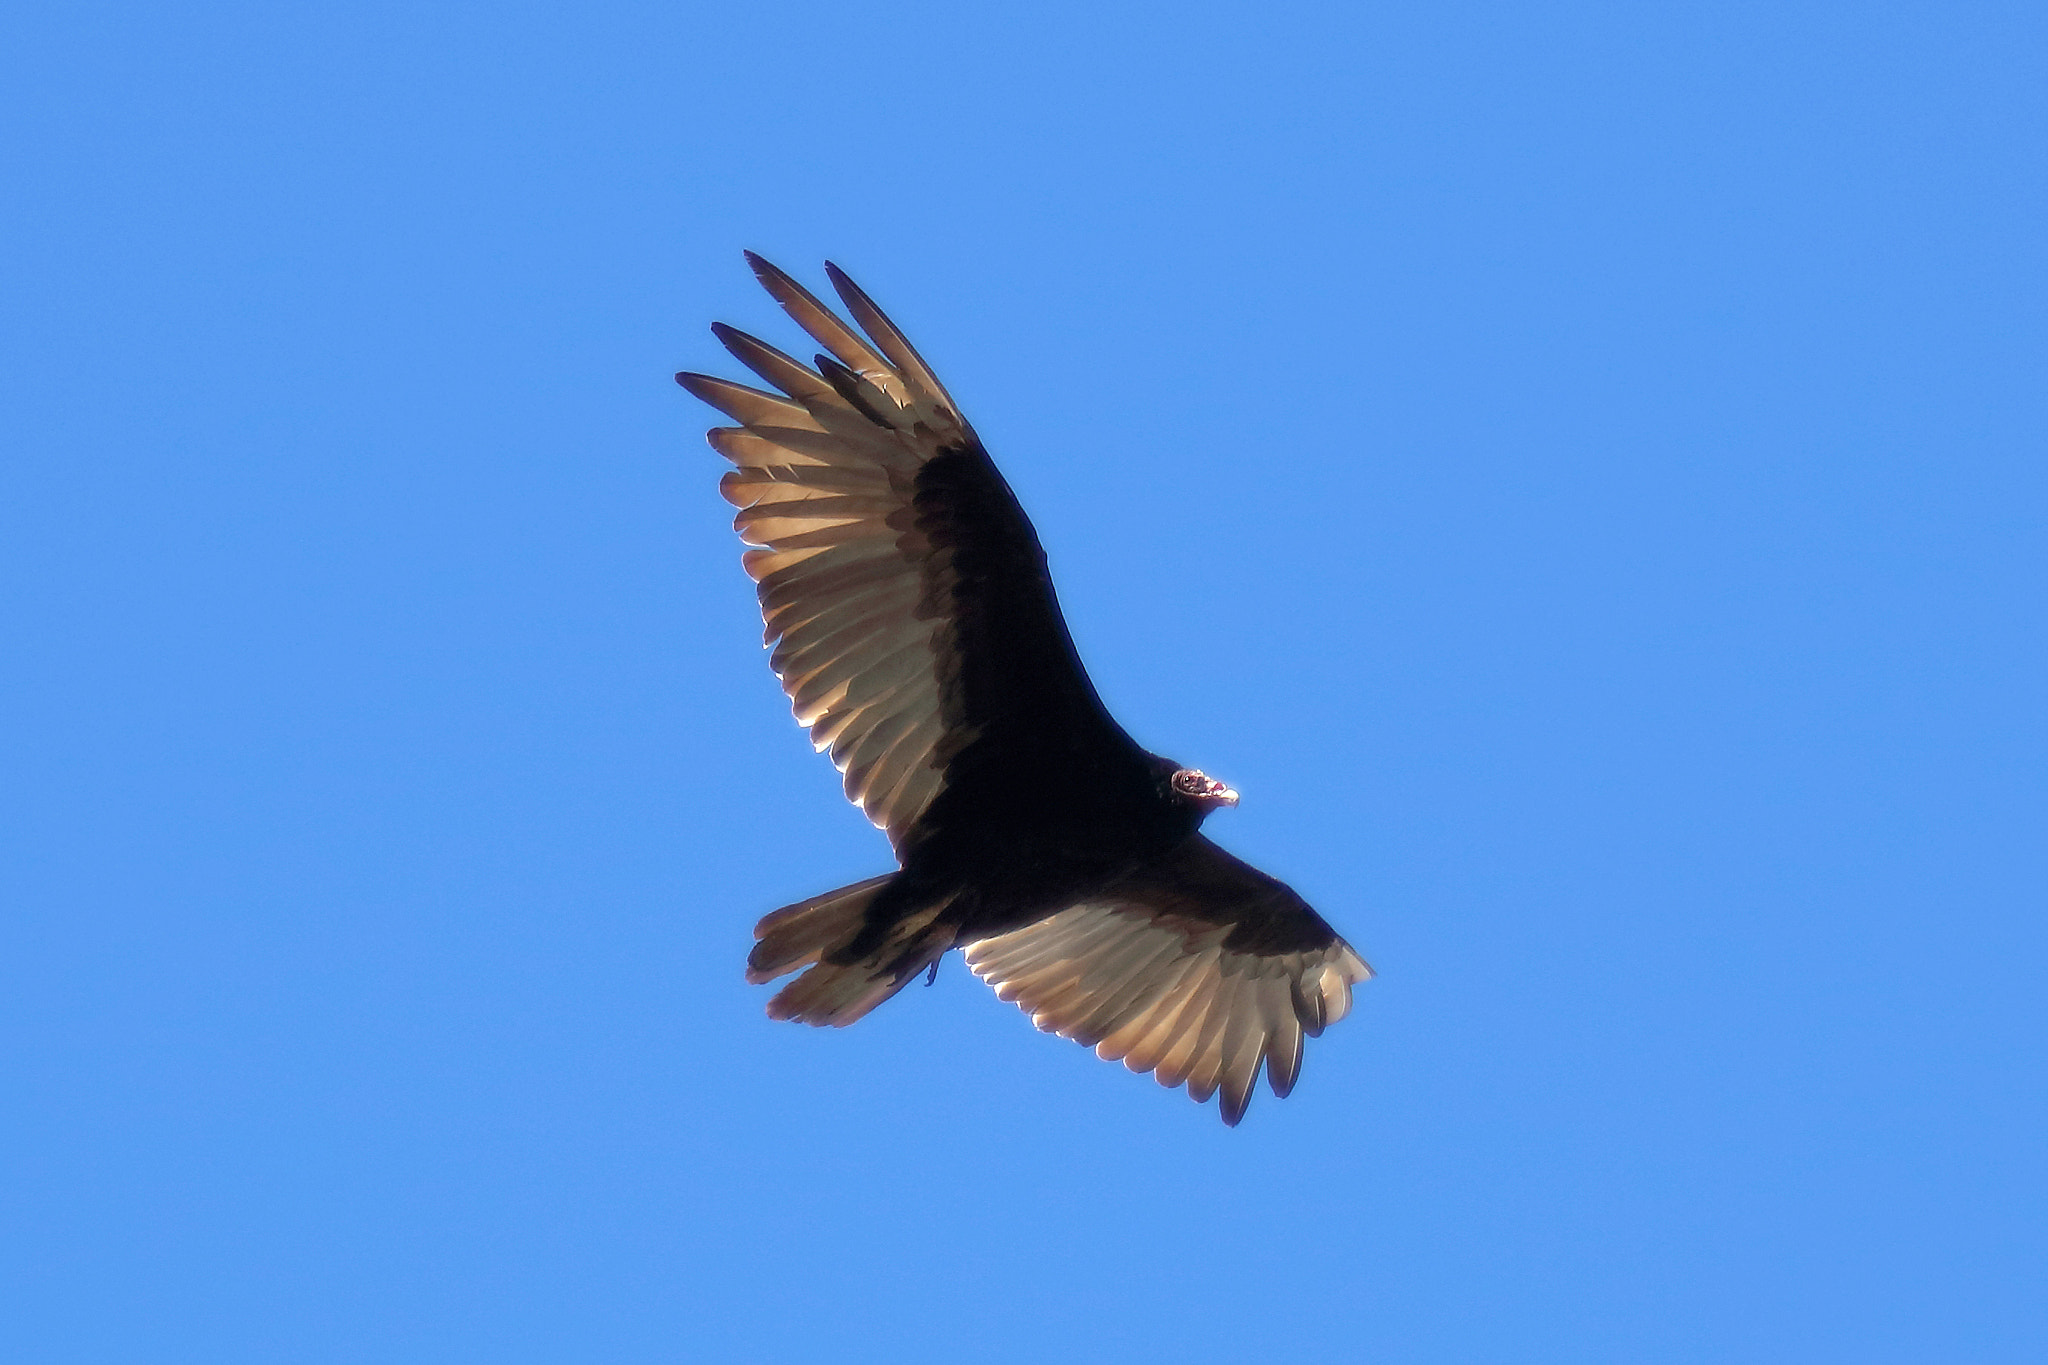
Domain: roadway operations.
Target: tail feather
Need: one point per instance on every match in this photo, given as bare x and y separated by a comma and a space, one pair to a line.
805, 935
798, 935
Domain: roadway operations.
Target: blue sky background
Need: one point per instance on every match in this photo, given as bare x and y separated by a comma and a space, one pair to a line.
1577, 468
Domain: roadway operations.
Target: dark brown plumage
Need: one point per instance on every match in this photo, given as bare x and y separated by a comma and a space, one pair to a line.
915, 629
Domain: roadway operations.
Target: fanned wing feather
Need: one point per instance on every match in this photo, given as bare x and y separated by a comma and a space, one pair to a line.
892, 657
826, 483
1199, 969
926, 392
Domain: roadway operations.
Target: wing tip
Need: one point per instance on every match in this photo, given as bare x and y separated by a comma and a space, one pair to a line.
698, 386
772, 277
1231, 1108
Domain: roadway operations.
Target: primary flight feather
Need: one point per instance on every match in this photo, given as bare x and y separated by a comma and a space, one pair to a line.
914, 627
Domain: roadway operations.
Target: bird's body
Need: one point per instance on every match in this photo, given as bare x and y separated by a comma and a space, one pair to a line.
917, 633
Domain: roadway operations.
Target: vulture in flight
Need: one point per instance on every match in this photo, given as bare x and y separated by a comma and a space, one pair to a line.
915, 630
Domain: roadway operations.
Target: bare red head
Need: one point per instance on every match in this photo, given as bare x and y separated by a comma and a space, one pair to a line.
1202, 790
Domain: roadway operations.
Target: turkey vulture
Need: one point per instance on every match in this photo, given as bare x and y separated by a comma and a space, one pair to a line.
916, 632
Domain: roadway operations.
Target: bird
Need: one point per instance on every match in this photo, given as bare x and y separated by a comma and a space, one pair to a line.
913, 625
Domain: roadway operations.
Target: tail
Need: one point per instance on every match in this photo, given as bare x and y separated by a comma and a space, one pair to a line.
808, 933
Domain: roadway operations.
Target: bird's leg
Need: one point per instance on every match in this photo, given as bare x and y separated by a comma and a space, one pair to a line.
933, 974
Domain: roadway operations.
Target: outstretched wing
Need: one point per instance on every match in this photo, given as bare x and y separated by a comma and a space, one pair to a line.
905, 594
1199, 969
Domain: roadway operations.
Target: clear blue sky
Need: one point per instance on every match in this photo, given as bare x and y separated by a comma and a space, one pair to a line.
1578, 469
